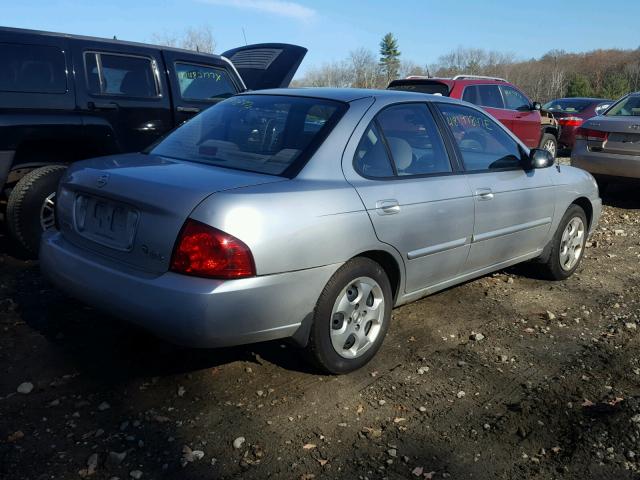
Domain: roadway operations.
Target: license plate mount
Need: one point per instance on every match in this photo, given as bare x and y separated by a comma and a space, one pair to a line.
109, 223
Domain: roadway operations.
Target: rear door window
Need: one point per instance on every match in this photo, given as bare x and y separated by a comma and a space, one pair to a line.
127, 75
203, 83
32, 68
514, 100
407, 134
489, 96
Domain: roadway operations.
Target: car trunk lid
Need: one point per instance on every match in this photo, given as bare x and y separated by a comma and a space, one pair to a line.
131, 207
624, 133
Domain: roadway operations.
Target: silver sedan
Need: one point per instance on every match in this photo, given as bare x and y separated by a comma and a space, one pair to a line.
608, 145
309, 214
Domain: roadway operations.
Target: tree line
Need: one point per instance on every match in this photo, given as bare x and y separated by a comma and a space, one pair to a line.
599, 73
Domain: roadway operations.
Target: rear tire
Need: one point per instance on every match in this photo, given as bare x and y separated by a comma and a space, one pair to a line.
567, 245
30, 209
549, 143
351, 317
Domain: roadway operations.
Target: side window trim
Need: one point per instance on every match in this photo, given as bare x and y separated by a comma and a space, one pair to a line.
231, 78
452, 157
458, 153
153, 63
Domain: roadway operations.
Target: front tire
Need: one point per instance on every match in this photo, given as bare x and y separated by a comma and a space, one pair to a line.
567, 245
351, 317
31, 207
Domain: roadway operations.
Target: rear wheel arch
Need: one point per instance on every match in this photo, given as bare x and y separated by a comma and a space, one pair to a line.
389, 264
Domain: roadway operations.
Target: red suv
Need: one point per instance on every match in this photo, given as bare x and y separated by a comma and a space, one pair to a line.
498, 97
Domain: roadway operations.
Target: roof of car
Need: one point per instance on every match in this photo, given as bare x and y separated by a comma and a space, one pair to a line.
112, 41
343, 94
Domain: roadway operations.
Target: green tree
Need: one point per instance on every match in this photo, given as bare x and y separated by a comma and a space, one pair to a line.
389, 57
579, 86
615, 86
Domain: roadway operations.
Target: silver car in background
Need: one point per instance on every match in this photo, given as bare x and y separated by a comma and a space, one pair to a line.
310, 214
608, 146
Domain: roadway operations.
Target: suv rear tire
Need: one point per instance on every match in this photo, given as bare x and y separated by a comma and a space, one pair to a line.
549, 143
30, 207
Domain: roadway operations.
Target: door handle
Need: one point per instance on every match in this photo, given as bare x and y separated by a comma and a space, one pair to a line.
387, 207
103, 106
188, 109
484, 194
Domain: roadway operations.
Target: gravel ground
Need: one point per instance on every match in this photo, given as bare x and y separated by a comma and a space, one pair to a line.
504, 377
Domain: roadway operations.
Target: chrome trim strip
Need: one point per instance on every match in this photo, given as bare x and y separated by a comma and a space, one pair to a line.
441, 247
508, 230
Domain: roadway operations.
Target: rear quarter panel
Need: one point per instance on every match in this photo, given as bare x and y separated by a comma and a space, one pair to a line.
294, 225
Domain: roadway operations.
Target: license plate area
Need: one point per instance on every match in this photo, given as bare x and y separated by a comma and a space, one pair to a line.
624, 143
109, 223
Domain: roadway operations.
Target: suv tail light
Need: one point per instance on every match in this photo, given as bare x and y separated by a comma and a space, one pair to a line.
570, 121
590, 134
204, 251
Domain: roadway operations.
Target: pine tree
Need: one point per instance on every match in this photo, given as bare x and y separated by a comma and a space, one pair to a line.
389, 57
579, 86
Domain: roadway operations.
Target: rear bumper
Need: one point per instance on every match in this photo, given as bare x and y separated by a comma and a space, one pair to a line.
601, 163
190, 311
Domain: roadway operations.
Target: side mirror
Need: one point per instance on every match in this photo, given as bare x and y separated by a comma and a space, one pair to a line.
539, 158
536, 106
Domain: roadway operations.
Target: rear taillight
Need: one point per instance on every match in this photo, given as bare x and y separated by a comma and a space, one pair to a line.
592, 135
204, 251
570, 121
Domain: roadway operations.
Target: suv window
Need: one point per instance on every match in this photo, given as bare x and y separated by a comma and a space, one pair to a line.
483, 95
514, 100
483, 143
257, 133
199, 82
32, 68
111, 74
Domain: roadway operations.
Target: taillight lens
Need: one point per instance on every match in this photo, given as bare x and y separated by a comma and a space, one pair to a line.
592, 135
204, 251
570, 121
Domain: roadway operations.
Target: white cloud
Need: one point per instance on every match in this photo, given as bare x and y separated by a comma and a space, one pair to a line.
276, 7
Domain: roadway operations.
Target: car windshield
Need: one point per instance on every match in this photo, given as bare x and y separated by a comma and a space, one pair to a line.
627, 107
269, 134
567, 105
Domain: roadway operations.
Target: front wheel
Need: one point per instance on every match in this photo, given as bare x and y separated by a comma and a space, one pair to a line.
567, 245
351, 317
31, 207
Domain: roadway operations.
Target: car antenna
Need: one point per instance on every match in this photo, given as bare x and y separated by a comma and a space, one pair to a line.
114, 37
245, 36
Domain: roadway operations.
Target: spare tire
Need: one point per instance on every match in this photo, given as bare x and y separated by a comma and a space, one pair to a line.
31, 207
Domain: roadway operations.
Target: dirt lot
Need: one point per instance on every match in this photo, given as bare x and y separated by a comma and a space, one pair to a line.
550, 389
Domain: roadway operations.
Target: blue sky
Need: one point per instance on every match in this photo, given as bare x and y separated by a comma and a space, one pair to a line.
331, 28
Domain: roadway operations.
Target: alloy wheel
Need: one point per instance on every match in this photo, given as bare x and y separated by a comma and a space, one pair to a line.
48, 213
572, 243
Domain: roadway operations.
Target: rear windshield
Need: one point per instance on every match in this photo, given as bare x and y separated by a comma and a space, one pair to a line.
424, 86
272, 134
627, 107
567, 105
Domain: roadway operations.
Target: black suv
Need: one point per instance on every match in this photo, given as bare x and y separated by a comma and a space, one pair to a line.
65, 98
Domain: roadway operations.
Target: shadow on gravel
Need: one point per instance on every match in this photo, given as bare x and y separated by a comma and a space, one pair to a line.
116, 352
622, 196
